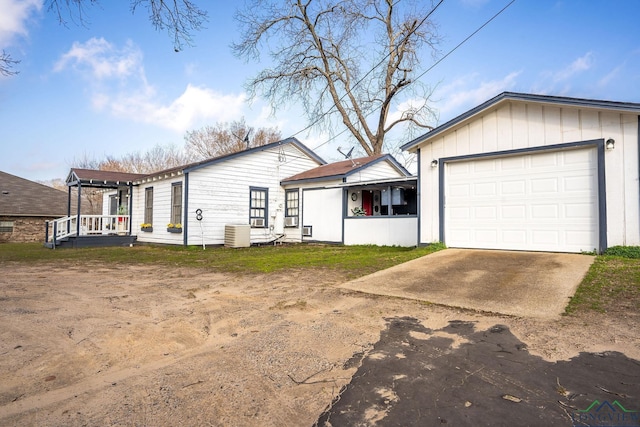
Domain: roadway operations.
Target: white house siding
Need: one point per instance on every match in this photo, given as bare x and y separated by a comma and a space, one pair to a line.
161, 211
380, 170
382, 231
520, 124
221, 190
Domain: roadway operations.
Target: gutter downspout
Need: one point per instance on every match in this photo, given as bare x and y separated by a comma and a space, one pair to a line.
185, 221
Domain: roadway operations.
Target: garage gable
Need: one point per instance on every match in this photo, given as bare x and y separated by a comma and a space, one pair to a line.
519, 131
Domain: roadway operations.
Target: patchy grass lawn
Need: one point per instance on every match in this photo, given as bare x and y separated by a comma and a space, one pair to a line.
611, 285
354, 261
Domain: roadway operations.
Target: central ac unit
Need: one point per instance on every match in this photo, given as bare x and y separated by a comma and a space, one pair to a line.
237, 236
291, 221
257, 222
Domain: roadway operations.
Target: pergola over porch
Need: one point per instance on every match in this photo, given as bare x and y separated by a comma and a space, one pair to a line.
76, 225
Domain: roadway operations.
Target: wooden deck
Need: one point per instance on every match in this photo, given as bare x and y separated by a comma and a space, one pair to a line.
89, 231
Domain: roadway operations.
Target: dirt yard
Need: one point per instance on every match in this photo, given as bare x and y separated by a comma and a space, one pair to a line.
89, 345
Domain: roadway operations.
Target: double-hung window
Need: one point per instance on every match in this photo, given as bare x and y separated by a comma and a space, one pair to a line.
292, 205
258, 206
176, 203
148, 205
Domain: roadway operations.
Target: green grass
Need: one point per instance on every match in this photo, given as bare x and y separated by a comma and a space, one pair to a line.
351, 260
612, 284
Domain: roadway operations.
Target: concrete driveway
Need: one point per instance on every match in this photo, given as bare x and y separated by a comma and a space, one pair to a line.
531, 284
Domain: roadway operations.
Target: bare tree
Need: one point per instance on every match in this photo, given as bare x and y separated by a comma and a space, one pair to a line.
226, 138
159, 157
6, 65
344, 59
180, 18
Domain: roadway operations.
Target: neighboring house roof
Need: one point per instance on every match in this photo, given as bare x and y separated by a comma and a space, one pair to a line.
21, 197
99, 178
523, 97
343, 169
204, 163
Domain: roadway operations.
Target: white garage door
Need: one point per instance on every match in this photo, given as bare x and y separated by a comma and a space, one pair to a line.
542, 202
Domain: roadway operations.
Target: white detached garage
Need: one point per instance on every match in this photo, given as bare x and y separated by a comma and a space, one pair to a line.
530, 172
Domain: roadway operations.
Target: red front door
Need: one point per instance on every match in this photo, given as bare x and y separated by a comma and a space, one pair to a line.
367, 202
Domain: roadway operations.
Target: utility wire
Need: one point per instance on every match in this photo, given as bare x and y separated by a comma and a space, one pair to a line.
323, 115
419, 76
465, 40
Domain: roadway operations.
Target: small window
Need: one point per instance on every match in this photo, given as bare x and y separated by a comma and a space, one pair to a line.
148, 205
6, 226
258, 207
176, 203
292, 203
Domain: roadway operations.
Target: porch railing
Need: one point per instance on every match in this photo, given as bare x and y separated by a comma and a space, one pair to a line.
90, 225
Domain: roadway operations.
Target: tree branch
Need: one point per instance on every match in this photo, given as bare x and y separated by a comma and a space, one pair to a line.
7, 65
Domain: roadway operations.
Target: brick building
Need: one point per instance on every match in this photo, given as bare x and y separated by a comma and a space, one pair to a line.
26, 205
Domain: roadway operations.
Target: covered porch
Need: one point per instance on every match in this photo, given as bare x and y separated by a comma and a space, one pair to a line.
111, 228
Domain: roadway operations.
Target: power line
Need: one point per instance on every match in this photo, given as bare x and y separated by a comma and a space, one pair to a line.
323, 115
465, 40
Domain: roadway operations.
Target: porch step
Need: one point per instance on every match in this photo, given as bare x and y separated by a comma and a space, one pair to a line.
93, 241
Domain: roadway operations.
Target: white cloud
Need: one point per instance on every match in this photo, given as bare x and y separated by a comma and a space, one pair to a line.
194, 107
461, 95
561, 82
99, 59
579, 65
604, 81
13, 18
118, 85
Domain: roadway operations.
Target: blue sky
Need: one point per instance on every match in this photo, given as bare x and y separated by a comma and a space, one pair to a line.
115, 85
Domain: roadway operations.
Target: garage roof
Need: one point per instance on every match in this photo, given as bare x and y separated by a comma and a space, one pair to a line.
525, 97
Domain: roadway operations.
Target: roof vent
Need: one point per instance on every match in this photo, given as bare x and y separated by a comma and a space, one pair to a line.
5, 192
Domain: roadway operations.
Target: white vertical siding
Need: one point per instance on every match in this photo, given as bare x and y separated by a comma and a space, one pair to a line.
515, 125
631, 205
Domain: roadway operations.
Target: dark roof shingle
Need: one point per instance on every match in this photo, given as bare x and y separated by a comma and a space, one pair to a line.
338, 169
21, 197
